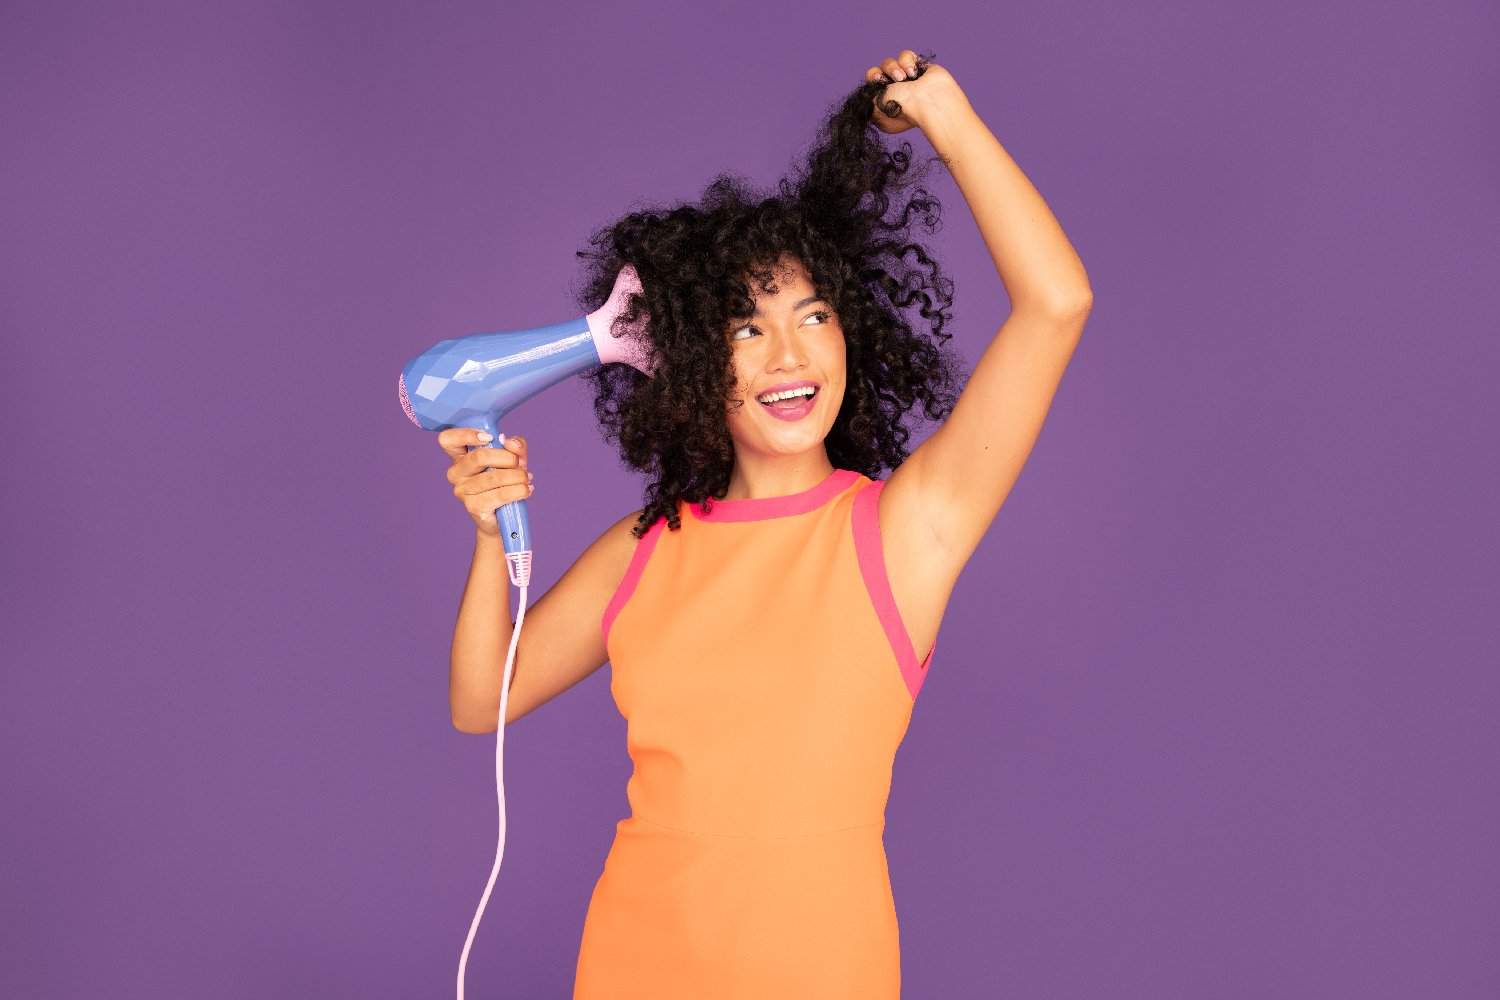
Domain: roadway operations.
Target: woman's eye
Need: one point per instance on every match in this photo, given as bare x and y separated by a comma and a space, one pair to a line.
823, 318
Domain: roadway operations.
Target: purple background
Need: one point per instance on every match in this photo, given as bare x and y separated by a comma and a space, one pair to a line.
1214, 709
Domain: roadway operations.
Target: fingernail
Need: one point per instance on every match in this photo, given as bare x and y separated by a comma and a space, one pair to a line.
483, 436
900, 75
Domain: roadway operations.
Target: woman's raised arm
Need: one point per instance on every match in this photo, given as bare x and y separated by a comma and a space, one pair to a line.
955, 482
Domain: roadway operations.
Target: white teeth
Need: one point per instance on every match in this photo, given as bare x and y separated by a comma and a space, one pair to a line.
806, 390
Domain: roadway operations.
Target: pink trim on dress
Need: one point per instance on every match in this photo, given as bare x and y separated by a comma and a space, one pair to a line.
872, 566
643, 547
759, 508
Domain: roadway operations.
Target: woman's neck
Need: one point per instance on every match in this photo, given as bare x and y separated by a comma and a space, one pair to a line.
778, 476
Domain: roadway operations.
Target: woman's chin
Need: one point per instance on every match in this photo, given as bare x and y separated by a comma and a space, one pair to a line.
786, 443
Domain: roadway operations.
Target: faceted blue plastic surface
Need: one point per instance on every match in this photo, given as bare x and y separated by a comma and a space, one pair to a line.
475, 381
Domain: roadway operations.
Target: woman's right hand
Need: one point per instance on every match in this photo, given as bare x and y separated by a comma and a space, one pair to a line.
486, 478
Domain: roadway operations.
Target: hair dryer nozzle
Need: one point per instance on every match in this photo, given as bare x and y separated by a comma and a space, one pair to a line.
633, 347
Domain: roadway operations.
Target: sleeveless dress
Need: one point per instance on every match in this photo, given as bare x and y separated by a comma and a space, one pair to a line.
766, 679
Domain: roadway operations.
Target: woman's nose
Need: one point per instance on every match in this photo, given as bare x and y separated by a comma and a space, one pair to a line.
787, 350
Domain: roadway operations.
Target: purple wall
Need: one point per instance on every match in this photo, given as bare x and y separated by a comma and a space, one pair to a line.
1214, 712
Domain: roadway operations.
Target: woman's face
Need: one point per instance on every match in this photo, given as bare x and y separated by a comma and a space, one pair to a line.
794, 337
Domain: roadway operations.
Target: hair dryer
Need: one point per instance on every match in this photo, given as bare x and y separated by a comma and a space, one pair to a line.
474, 382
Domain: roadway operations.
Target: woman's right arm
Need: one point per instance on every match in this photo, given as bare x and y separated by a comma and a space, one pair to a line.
481, 639
561, 640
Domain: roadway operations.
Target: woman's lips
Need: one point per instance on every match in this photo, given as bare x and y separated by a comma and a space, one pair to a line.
791, 412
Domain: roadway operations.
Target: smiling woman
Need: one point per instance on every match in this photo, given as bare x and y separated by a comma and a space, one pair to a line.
791, 361
755, 867
752, 863
814, 283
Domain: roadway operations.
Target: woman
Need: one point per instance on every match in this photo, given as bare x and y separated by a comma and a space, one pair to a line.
763, 611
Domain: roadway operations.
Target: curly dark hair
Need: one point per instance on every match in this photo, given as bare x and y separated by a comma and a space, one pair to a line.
694, 262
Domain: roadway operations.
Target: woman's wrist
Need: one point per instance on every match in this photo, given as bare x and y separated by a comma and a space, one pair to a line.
940, 120
937, 105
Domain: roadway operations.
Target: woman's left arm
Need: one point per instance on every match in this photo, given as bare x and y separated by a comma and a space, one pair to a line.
956, 481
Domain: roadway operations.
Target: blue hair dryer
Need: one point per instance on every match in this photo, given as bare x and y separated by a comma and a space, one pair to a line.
475, 381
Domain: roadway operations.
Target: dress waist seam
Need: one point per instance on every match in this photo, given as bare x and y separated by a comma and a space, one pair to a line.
736, 836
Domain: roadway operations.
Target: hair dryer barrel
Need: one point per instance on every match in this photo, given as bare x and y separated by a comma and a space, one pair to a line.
474, 381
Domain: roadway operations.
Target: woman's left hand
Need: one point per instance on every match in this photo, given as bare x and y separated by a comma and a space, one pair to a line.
918, 88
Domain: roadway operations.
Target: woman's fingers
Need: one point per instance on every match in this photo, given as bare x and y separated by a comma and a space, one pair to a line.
457, 441
896, 69
517, 445
495, 479
472, 457
512, 455
482, 504
485, 475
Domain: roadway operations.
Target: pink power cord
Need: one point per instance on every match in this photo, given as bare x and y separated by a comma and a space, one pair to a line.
519, 567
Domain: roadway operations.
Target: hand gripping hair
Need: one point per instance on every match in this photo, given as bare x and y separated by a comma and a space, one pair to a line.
475, 381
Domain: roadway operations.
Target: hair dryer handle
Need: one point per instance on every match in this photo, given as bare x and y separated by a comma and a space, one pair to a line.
515, 526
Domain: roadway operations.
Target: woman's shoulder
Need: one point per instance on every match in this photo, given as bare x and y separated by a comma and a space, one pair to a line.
607, 558
621, 534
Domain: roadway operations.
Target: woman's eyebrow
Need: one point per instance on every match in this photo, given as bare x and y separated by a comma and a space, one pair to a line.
805, 302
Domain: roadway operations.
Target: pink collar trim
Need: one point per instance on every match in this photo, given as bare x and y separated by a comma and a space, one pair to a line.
761, 508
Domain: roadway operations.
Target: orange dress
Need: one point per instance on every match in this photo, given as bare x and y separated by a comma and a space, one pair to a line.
766, 679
